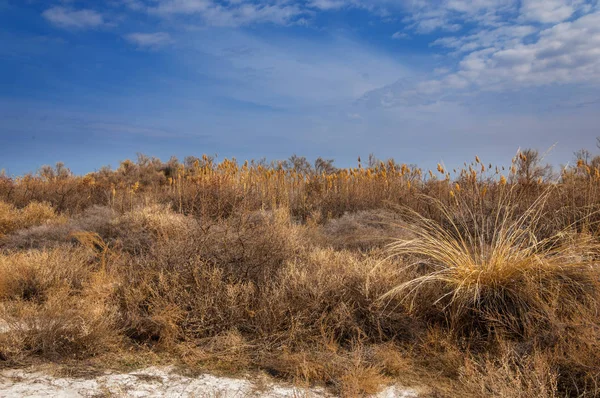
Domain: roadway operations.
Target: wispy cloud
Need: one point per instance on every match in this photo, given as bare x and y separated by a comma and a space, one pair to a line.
149, 40
400, 35
234, 13
68, 18
295, 73
545, 43
549, 11
328, 4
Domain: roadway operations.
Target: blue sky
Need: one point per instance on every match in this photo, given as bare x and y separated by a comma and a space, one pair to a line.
94, 82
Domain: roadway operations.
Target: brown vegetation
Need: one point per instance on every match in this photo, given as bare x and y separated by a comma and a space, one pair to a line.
482, 284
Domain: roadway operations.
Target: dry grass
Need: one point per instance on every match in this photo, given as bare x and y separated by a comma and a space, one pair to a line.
33, 214
55, 303
490, 286
511, 376
494, 275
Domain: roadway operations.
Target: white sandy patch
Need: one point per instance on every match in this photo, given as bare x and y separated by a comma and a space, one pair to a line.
155, 382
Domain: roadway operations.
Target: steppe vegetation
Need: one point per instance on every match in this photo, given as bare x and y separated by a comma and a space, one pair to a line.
481, 282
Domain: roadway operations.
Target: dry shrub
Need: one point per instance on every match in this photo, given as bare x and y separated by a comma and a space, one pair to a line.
228, 352
321, 364
438, 352
52, 310
309, 320
96, 219
349, 372
363, 230
181, 294
31, 275
253, 246
576, 359
407, 365
247, 247
509, 375
138, 230
187, 281
324, 293
38, 237
361, 378
168, 303
35, 213
8, 219
61, 326
393, 360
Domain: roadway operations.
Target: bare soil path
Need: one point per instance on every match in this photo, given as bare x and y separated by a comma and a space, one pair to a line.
156, 382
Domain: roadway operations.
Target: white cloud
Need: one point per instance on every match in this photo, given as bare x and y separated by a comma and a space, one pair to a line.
400, 35
234, 13
548, 11
328, 4
500, 37
488, 45
491, 44
451, 15
73, 19
180, 6
431, 24
136, 5
566, 53
546, 43
424, 16
149, 40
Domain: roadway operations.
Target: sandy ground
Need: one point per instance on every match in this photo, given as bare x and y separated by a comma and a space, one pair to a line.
155, 382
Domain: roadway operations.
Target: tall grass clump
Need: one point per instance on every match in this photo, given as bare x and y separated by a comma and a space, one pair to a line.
496, 278
492, 274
